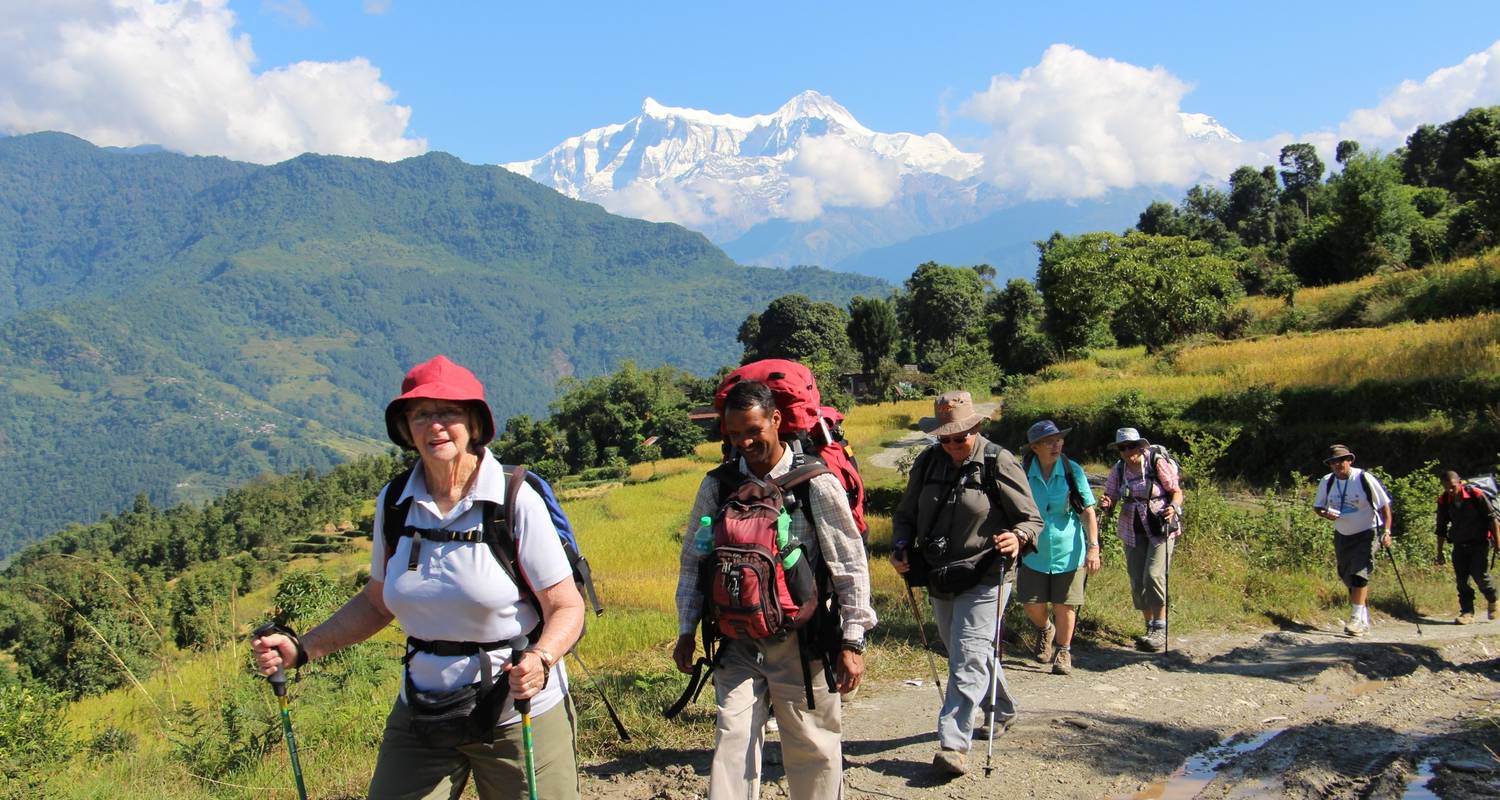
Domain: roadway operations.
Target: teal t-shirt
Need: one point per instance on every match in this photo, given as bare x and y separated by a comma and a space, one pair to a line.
1061, 546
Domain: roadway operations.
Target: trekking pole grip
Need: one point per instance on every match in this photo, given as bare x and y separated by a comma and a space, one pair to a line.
277, 678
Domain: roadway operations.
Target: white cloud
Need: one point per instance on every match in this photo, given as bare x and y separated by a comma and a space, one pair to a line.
828, 171
1076, 125
377, 7
294, 12
176, 73
1445, 94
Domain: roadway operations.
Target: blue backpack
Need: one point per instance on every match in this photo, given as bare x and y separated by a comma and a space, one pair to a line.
498, 531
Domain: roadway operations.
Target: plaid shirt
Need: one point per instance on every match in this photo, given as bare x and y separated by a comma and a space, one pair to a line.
1135, 488
842, 547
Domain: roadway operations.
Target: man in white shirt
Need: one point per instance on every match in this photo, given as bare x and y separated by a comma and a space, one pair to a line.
1359, 508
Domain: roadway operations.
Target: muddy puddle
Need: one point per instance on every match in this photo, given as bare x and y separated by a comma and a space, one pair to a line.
1202, 767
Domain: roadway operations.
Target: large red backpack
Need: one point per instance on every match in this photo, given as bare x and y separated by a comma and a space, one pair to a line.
811, 426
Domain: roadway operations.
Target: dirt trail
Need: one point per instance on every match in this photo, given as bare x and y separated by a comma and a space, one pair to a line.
1306, 713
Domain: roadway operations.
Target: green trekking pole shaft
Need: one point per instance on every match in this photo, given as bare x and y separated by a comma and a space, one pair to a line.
278, 685
523, 707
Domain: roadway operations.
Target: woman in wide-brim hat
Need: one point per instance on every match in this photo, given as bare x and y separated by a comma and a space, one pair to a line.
465, 618
958, 521
1067, 551
1147, 490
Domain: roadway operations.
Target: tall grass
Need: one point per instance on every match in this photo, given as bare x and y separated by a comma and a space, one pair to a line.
1408, 351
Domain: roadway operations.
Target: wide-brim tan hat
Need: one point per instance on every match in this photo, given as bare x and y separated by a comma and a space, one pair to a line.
952, 412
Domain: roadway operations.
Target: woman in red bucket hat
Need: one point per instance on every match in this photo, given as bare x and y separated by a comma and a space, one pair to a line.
465, 617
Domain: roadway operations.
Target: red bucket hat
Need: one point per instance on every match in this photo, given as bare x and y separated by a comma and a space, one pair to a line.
439, 379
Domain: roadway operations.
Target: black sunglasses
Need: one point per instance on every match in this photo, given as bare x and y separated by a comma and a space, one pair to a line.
955, 438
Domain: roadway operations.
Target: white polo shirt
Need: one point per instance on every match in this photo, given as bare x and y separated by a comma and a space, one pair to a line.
458, 592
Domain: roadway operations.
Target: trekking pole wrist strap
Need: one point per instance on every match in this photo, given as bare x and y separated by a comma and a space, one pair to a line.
300, 660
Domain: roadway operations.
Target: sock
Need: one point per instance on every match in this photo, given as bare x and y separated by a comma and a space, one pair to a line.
1357, 613
1063, 648
1364, 614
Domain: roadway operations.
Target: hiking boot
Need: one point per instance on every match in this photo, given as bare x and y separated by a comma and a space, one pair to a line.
950, 762
1466, 618
984, 731
1494, 609
1155, 640
1046, 646
1062, 663
1356, 627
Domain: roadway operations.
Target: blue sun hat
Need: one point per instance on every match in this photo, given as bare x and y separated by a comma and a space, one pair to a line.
1043, 429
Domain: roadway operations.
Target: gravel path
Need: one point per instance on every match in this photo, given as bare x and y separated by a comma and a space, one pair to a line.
1305, 713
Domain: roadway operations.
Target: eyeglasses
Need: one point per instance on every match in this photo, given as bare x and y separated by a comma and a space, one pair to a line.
955, 438
446, 415
1130, 448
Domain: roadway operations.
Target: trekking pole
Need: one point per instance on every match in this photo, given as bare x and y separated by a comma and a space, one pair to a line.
278, 685
911, 600
1166, 599
599, 687
518, 645
1402, 584
989, 722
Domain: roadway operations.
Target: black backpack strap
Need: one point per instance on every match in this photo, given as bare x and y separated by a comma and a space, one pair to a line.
1075, 492
1369, 484
394, 510
702, 669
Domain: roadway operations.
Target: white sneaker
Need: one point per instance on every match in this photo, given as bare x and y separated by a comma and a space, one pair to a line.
1356, 627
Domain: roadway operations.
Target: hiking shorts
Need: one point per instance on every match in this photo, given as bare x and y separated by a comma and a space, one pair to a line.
1355, 553
1049, 587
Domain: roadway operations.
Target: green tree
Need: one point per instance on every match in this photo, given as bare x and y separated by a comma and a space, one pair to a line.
611, 415
1080, 290
1017, 343
872, 330
1173, 288
1253, 201
35, 740
1346, 150
968, 367
941, 308
1303, 174
797, 328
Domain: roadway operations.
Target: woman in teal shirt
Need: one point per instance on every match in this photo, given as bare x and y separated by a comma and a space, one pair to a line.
1054, 572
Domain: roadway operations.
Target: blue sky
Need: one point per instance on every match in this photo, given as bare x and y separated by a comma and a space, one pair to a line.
492, 82
264, 80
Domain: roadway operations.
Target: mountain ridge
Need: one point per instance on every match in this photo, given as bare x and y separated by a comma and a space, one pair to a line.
193, 324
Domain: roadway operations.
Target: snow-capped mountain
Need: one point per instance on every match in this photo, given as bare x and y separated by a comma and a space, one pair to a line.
805, 184
723, 174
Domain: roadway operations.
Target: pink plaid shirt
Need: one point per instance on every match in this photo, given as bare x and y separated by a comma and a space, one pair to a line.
1136, 487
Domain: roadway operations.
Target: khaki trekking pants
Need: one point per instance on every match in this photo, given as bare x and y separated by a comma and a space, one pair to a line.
755, 677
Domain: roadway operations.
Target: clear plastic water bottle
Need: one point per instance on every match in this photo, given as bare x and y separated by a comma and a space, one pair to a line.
703, 540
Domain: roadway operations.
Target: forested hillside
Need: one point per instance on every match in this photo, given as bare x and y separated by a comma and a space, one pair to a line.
175, 326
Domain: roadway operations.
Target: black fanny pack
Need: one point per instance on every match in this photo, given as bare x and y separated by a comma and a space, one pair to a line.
960, 575
455, 717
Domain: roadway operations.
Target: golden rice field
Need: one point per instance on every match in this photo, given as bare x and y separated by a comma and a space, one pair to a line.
1405, 351
1323, 298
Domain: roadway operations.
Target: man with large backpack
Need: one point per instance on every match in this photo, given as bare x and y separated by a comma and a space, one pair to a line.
779, 582
1466, 517
1359, 508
